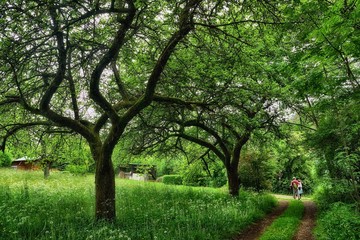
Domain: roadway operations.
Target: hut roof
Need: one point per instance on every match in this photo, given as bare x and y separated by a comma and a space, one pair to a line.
25, 158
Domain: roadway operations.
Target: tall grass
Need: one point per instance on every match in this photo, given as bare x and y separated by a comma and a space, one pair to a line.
284, 227
338, 217
62, 207
341, 221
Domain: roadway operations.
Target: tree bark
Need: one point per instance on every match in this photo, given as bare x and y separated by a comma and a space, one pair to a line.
233, 181
47, 165
104, 187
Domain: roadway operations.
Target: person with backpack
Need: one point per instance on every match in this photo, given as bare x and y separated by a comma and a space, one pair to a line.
294, 184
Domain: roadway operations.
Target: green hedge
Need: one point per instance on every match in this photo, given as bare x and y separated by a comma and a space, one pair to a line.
172, 179
77, 169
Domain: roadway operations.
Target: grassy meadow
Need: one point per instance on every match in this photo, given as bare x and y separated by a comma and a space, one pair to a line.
62, 207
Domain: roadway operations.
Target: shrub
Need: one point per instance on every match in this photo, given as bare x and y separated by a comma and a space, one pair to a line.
330, 191
77, 169
340, 221
255, 171
218, 178
5, 160
172, 179
194, 175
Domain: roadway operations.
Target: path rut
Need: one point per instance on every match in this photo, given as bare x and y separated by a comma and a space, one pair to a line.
307, 222
304, 231
255, 230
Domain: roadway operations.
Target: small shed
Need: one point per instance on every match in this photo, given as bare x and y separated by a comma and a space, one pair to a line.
26, 163
136, 171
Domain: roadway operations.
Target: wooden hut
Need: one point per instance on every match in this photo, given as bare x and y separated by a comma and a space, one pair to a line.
26, 163
135, 171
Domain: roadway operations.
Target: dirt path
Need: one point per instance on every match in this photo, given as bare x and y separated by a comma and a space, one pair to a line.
307, 222
256, 229
305, 229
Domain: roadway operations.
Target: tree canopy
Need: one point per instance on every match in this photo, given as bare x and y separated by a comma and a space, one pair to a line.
214, 73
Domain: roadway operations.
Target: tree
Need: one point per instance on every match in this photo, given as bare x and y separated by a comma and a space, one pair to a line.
225, 95
324, 62
324, 59
63, 65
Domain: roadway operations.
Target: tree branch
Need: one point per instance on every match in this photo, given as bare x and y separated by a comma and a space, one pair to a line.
72, 89
60, 74
107, 58
120, 84
178, 101
213, 133
17, 127
185, 26
204, 144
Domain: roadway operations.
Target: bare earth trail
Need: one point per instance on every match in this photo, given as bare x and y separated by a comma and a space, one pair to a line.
307, 223
305, 229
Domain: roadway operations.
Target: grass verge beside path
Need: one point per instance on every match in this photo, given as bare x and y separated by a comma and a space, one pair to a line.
284, 228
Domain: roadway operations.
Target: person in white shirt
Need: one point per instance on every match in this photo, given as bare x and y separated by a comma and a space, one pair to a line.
300, 189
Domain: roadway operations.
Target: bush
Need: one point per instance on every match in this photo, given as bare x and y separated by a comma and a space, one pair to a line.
330, 191
77, 169
194, 175
340, 221
5, 160
218, 178
172, 179
255, 171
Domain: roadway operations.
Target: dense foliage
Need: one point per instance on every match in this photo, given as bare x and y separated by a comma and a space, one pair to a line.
5, 160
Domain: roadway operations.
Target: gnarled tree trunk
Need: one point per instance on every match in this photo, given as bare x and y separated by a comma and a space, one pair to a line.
104, 186
232, 165
233, 181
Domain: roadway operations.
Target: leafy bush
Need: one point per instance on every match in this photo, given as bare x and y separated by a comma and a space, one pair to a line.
5, 160
255, 171
194, 175
338, 218
218, 178
77, 169
172, 179
332, 191
340, 222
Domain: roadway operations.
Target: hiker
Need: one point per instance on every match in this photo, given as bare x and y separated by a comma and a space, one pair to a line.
294, 184
300, 189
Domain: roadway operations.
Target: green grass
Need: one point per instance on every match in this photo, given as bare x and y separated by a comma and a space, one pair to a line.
340, 221
62, 207
284, 227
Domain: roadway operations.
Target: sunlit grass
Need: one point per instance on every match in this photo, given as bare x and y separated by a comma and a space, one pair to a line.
62, 207
340, 221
